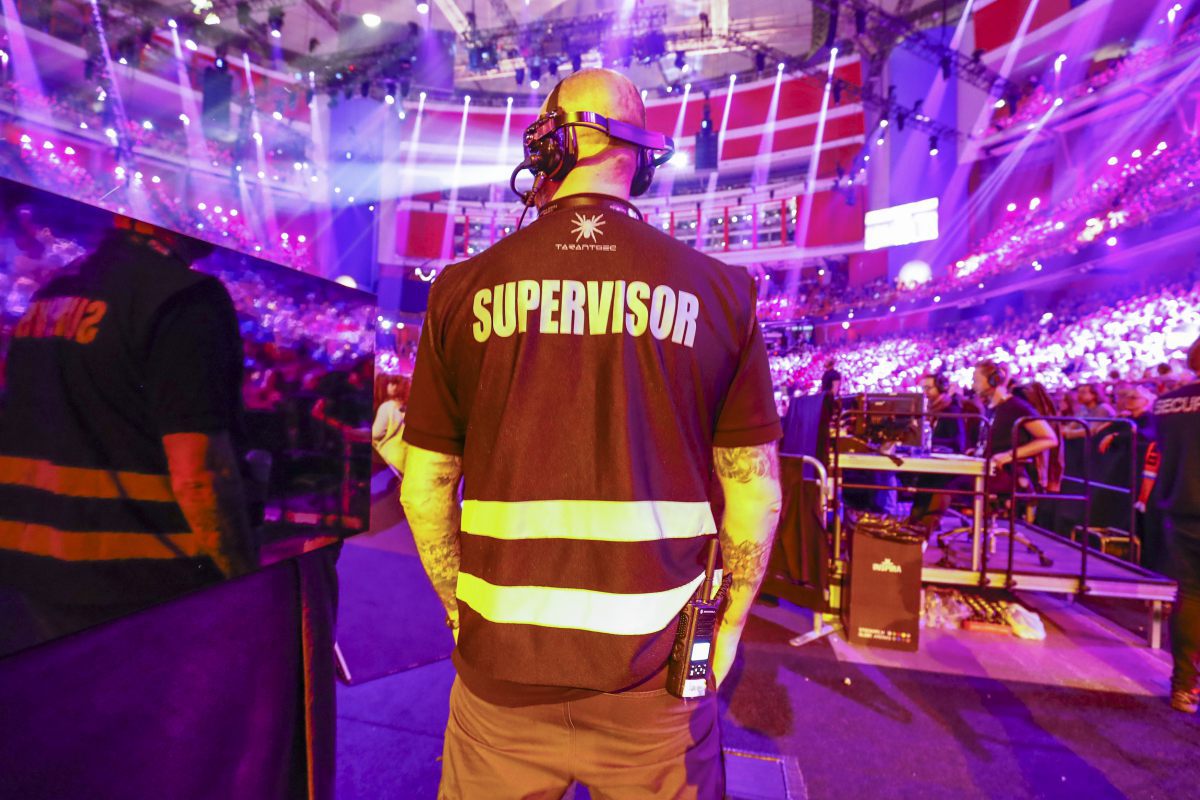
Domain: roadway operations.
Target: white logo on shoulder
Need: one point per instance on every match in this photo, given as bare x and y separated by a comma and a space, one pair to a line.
887, 565
588, 227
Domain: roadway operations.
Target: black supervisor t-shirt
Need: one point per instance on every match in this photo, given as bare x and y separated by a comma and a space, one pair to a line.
1177, 415
584, 368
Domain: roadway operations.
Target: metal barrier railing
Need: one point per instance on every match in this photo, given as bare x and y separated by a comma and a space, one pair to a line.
986, 490
1086, 498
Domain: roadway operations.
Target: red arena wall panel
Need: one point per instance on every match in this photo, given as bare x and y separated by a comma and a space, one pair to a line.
998, 23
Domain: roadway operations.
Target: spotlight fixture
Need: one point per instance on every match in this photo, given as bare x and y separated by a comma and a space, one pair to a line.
275, 21
372, 20
933, 145
422, 7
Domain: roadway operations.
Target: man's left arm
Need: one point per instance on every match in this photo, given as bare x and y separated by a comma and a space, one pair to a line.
429, 494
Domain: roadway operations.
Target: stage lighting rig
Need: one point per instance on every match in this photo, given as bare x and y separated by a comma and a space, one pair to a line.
885, 106
893, 28
275, 21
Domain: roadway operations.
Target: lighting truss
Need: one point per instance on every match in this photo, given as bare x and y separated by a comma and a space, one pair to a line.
869, 98
901, 31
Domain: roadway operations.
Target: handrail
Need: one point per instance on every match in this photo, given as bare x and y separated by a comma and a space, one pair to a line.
1087, 486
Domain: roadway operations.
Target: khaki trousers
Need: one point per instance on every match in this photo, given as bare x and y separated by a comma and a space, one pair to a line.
630, 745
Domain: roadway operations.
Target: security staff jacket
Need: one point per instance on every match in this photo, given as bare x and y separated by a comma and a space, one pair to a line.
1177, 415
121, 349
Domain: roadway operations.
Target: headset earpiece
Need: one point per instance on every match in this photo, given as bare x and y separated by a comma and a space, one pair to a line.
644, 175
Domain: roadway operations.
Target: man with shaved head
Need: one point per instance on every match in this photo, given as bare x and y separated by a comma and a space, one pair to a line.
584, 377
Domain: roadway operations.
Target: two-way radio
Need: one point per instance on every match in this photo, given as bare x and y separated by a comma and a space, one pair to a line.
690, 665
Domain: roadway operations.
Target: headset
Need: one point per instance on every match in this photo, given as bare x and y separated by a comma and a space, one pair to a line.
995, 373
552, 147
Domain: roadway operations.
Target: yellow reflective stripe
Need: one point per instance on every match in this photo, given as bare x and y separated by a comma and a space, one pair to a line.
101, 484
42, 540
578, 609
595, 520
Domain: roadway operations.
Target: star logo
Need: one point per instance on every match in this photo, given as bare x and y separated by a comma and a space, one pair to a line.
587, 227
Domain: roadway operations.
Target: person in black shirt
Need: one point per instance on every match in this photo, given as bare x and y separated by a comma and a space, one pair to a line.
949, 436
831, 380
584, 378
119, 483
1032, 436
1177, 489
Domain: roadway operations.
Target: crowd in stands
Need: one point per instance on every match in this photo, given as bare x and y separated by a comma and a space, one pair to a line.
1037, 97
93, 111
1151, 183
296, 329
1106, 339
58, 171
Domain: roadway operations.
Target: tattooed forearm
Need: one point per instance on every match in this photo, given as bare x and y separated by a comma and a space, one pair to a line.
744, 464
746, 561
441, 559
429, 494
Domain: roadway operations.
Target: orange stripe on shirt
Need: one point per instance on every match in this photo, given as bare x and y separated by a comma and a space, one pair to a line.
43, 540
100, 484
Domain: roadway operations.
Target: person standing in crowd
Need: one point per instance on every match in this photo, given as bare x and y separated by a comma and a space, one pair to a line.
949, 436
1049, 463
1006, 440
584, 376
391, 398
119, 481
1177, 489
831, 380
1091, 404
1135, 404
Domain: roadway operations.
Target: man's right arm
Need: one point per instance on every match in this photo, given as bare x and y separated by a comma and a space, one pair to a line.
749, 478
208, 487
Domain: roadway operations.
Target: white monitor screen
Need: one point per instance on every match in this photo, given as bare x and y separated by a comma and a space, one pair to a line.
911, 222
